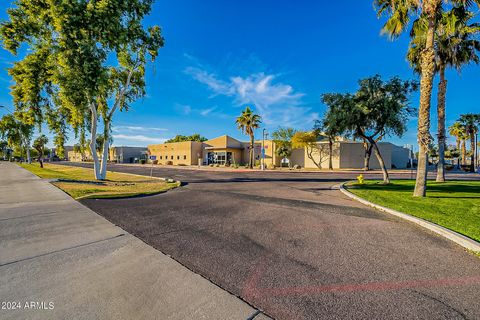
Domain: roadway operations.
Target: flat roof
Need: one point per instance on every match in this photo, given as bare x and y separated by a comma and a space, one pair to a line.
222, 148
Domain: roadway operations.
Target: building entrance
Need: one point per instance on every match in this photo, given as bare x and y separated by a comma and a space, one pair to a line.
221, 158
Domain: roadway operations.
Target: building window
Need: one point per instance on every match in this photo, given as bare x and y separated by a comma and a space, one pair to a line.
178, 157
184, 157
171, 157
160, 157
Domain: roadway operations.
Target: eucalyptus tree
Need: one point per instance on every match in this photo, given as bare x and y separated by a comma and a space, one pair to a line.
17, 133
399, 16
248, 121
182, 138
455, 46
471, 122
39, 144
85, 60
377, 109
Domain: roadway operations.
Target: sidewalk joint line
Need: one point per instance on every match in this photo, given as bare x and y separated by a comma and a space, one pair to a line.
61, 250
29, 215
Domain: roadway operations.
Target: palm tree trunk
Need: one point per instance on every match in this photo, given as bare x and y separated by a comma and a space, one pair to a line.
252, 156
442, 90
40, 158
472, 150
426, 84
464, 152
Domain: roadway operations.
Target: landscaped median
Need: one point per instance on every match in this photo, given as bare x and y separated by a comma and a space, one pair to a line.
454, 205
80, 183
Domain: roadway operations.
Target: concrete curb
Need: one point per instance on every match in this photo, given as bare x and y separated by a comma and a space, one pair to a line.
459, 239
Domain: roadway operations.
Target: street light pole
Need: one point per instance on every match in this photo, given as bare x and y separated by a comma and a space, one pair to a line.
263, 149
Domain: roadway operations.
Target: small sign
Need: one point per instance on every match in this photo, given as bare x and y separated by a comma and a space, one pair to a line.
152, 158
263, 153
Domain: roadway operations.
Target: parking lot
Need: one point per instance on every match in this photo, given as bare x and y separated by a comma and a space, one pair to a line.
292, 245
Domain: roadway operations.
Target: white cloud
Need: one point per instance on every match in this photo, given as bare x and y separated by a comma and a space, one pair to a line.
138, 138
278, 103
137, 128
207, 111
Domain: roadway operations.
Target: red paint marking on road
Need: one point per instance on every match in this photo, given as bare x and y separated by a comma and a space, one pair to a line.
374, 286
250, 289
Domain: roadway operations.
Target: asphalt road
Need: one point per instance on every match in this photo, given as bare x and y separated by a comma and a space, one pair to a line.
293, 246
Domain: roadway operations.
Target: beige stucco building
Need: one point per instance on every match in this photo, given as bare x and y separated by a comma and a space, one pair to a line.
222, 150
227, 150
117, 154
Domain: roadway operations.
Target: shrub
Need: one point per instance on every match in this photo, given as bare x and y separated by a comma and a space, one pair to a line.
217, 165
143, 161
210, 165
271, 166
297, 166
155, 161
181, 164
169, 163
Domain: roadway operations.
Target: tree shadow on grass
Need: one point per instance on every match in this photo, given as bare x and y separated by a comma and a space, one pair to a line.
450, 187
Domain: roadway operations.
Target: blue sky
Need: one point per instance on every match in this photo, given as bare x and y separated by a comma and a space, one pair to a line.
277, 56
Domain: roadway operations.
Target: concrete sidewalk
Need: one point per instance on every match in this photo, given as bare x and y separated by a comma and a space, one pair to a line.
73, 264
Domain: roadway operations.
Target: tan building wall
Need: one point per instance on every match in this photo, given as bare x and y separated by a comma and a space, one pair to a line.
220, 146
74, 156
177, 153
320, 155
346, 154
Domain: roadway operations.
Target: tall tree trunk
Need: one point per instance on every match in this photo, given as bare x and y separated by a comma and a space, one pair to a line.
472, 151
27, 147
330, 154
426, 84
93, 143
442, 90
252, 152
464, 152
368, 152
106, 145
386, 178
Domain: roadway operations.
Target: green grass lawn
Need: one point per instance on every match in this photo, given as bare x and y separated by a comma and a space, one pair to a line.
80, 182
453, 204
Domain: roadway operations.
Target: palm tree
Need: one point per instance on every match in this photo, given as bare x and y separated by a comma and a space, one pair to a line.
471, 121
457, 130
248, 122
399, 15
455, 46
